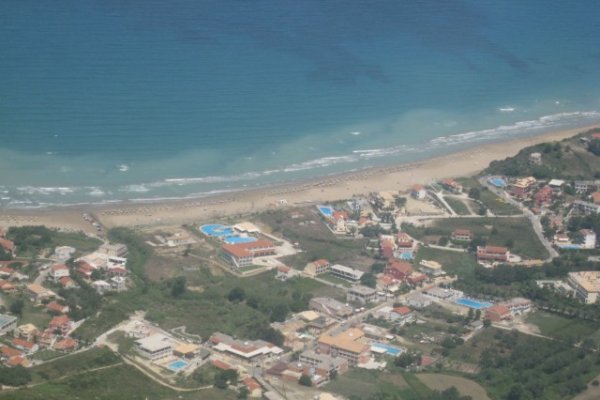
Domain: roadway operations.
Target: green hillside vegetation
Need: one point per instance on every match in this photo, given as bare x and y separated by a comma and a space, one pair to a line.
33, 241
569, 159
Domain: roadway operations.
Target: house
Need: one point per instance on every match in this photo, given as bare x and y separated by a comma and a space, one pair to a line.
61, 323
331, 307
387, 283
535, 158
497, 313
27, 332
7, 287
418, 192
387, 247
25, 346
154, 347
67, 282
492, 253
402, 315
417, 300
17, 361
63, 253
254, 388
186, 350
58, 271
57, 308
6, 271
415, 278
461, 235
349, 344
317, 267
113, 250
85, 270
6, 353
284, 273
116, 271
66, 345
118, 283
543, 196
588, 238
347, 273
8, 323
361, 294
595, 197
38, 293
521, 187
102, 286
332, 365
586, 285
431, 267
585, 207
222, 365
451, 185
518, 305
584, 186
398, 269
254, 350
7, 245
339, 221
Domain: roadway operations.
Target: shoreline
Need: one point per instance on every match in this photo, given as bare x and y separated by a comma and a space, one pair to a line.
397, 177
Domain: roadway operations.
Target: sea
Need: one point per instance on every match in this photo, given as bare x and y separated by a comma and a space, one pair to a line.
110, 100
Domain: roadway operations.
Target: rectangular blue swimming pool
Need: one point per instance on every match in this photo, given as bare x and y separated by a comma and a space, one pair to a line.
498, 182
239, 239
475, 304
216, 230
327, 211
391, 350
178, 365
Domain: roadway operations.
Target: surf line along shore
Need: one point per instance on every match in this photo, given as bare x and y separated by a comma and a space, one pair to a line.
336, 187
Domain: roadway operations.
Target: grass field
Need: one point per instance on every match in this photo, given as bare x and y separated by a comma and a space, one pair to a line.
457, 205
492, 202
361, 384
496, 231
562, 328
465, 386
460, 264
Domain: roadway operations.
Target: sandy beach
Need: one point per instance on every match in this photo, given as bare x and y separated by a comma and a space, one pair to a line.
343, 186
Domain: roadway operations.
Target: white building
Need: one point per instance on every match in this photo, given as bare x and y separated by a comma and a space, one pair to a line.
118, 283
8, 323
586, 285
154, 347
418, 192
58, 271
344, 272
63, 253
431, 267
101, 286
589, 238
361, 294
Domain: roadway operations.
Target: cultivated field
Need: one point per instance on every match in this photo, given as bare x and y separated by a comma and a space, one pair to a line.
465, 386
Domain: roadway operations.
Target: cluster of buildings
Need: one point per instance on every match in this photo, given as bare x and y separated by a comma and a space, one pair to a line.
6, 244
400, 246
104, 269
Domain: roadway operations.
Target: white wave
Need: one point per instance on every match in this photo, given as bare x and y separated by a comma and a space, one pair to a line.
138, 188
355, 133
123, 167
96, 191
506, 109
320, 163
45, 190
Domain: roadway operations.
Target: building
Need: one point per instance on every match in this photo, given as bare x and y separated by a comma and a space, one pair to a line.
8, 323
7, 245
347, 273
24, 345
118, 283
113, 250
543, 196
254, 388
38, 293
461, 235
248, 350
154, 346
58, 271
518, 305
584, 186
67, 282
27, 332
330, 307
498, 313
397, 269
66, 345
586, 285
418, 192
284, 273
595, 197
349, 344
325, 362
588, 237
63, 253
492, 253
451, 185
61, 323
102, 286
361, 294
535, 158
317, 267
431, 267
522, 186
242, 254
186, 350
402, 315
417, 300
585, 207
54, 307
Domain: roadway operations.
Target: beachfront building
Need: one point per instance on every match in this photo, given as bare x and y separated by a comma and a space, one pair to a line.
418, 192
154, 347
586, 285
521, 187
431, 267
347, 273
361, 294
451, 185
330, 307
255, 350
461, 235
317, 267
242, 254
350, 345
8, 323
492, 253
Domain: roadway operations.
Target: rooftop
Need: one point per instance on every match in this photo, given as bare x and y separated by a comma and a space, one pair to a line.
154, 342
588, 280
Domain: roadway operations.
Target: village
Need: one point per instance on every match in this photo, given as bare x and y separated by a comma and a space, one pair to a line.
397, 302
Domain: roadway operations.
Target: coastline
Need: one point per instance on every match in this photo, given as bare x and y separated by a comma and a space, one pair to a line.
329, 188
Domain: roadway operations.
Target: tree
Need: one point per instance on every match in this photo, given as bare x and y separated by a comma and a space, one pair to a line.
17, 376
594, 147
305, 380
279, 312
368, 279
474, 193
243, 393
236, 295
405, 360
377, 268
443, 241
179, 286
487, 323
16, 307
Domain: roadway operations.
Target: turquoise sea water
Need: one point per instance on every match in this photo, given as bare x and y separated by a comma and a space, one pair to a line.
112, 100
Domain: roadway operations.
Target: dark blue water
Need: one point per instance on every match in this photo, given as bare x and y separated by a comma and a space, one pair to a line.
111, 100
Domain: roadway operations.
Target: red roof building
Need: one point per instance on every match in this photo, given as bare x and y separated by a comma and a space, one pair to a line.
461, 235
397, 269
7, 245
492, 253
66, 344
543, 196
497, 313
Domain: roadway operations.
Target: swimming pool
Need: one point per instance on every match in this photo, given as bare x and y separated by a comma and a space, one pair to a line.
327, 211
471, 303
498, 182
239, 239
406, 256
216, 230
177, 365
570, 246
391, 350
